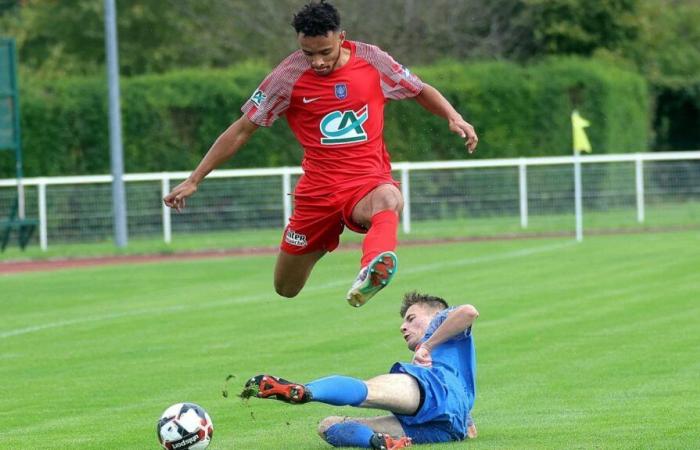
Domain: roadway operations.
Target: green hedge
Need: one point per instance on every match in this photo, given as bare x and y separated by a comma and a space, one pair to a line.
170, 120
525, 111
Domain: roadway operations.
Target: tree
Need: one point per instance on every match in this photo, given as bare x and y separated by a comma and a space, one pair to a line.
668, 54
668, 48
579, 27
58, 38
158, 35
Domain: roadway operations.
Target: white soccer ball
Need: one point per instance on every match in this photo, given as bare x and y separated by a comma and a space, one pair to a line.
185, 426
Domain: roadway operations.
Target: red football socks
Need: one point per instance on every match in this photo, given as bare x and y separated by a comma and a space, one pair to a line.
381, 236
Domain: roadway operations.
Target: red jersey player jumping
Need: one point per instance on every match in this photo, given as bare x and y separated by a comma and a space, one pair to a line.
332, 92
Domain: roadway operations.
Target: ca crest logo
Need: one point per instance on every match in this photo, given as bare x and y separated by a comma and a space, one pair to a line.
344, 127
258, 97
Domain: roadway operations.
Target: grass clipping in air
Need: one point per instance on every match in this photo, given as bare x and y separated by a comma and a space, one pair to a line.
250, 390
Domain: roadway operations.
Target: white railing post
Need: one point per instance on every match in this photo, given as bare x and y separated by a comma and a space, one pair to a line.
406, 192
522, 178
639, 176
578, 200
43, 235
287, 194
167, 224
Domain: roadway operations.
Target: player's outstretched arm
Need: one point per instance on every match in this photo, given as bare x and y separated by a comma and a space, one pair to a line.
432, 100
457, 322
225, 146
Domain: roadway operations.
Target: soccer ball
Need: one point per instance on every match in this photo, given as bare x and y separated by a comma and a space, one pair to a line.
185, 426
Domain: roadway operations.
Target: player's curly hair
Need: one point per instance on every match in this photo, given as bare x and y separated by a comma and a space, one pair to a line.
316, 19
414, 297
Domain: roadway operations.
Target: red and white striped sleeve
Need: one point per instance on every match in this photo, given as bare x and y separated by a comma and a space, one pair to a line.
397, 81
271, 99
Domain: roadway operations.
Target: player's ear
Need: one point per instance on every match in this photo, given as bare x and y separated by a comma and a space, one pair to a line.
342, 36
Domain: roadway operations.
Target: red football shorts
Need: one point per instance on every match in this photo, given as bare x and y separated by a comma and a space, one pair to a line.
318, 220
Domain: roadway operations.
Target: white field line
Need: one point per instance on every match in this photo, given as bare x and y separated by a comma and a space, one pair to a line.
66, 323
489, 258
177, 308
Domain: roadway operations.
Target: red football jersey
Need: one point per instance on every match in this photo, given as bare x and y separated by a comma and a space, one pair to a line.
338, 118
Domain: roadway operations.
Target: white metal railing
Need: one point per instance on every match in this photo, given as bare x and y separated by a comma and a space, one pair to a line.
405, 168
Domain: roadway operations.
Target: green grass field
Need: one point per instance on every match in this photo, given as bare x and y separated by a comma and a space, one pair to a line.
591, 345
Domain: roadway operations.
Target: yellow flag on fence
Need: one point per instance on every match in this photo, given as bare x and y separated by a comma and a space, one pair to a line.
578, 123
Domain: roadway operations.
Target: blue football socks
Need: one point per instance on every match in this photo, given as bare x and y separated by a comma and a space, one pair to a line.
338, 390
349, 434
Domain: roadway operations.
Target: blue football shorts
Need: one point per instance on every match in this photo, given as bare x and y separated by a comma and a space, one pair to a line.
443, 414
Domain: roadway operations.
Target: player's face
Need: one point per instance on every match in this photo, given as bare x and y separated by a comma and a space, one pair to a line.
415, 322
322, 52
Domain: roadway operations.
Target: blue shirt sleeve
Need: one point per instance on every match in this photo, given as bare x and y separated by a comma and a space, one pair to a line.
438, 320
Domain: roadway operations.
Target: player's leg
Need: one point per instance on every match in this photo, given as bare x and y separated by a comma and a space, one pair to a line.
384, 432
398, 393
385, 197
380, 424
292, 271
378, 212
312, 231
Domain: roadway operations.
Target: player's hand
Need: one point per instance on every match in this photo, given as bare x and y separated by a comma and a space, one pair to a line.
466, 131
176, 198
422, 357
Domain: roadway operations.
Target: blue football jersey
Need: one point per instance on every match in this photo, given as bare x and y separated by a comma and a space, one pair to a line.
456, 354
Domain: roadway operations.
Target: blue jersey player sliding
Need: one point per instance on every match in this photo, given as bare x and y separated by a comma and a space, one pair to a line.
430, 398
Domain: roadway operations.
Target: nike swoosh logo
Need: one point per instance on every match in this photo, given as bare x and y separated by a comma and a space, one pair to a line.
309, 100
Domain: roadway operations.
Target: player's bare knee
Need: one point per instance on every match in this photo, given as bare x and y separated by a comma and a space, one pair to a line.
388, 198
287, 290
326, 423
392, 203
